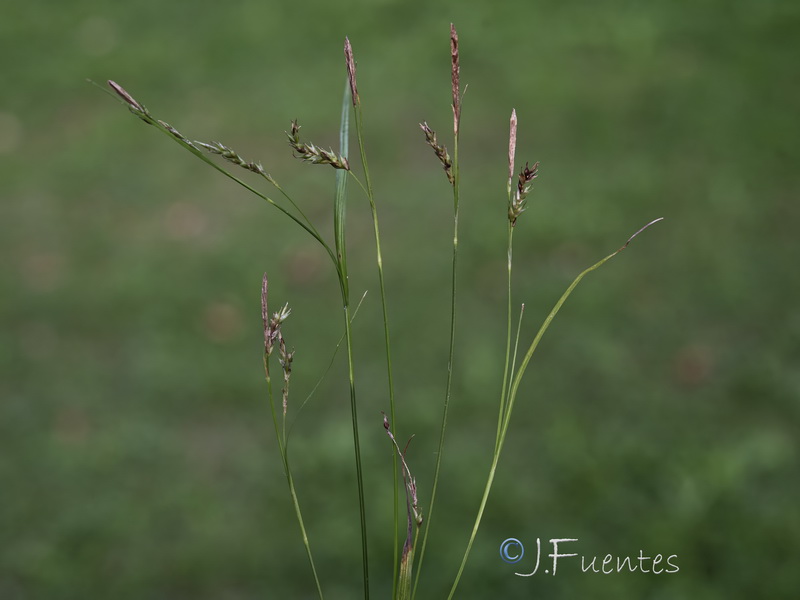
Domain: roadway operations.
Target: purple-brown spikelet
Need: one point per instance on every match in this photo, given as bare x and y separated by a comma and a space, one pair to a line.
455, 78
351, 70
526, 176
126, 96
518, 203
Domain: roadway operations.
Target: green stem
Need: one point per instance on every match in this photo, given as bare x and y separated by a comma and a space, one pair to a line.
340, 204
289, 479
191, 148
516, 341
451, 354
299, 516
387, 342
339, 260
297, 208
476, 525
357, 447
327, 370
506, 375
512, 396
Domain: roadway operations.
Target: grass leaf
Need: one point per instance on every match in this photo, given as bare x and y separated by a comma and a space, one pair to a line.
339, 206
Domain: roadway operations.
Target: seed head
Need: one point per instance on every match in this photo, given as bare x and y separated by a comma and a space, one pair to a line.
134, 105
440, 150
526, 176
455, 72
231, 155
518, 203
272, 327
265, 314
310, 153
285, 359
412, 503
351, 71
512, 147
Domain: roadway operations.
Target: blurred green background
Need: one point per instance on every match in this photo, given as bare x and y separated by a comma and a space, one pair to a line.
661, 413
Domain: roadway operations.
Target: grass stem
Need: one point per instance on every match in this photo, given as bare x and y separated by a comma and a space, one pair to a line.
289, 479
385, 313
450, 359
341, 260
512, 395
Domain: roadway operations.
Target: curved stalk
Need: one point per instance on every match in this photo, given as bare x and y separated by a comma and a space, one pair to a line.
140, 111
512, 396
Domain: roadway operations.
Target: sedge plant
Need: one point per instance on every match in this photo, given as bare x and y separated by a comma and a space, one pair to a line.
417, 523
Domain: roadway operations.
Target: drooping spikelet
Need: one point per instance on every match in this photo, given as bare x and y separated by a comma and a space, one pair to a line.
518, 203
132, 103
310, 153
440, 150
231, 155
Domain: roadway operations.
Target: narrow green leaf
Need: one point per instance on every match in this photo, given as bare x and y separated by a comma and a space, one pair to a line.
340, 200
512, 395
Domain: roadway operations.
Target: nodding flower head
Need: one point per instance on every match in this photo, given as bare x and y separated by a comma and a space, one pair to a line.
310, 153
518, 203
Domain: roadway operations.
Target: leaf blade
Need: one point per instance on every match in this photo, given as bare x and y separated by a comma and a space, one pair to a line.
340, 198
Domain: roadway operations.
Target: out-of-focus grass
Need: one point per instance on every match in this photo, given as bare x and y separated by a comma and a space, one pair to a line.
661, 412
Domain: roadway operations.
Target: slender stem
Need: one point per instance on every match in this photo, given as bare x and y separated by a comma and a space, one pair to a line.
340, 239
289, 479
191, 148
360, 183
272, 408
299, 516
327, 369
516, 341
357, 447
340, 262
451, 354
504, 389
512, 396
295, 205
477, 523
283, 429
387, 342
535, 343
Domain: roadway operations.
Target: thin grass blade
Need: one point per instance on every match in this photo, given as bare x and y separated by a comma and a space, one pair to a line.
340, 201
